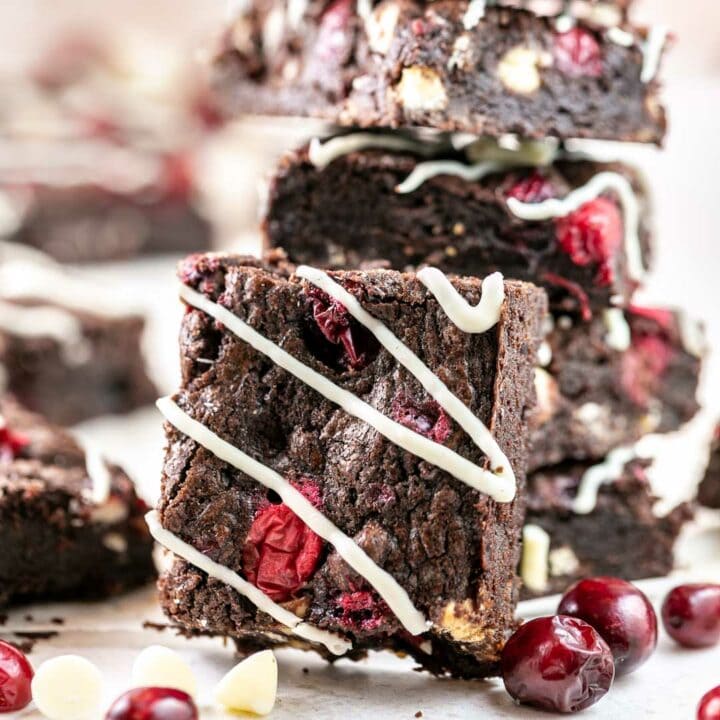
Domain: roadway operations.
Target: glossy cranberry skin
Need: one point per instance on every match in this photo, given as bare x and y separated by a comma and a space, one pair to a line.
622, 615
709, 707
557, 663
691, 615
16, 676
153, 704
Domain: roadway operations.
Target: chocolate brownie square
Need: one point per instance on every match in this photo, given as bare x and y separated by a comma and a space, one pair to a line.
451, 65
709, 491
340, 459
68, 350
71, 526
531, 210
586, 520
612, 380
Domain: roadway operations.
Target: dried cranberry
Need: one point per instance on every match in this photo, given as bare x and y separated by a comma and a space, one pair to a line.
428, 418
592, 235
177, 181
643, 365
574, 290
577, 53
281, 552
691, 615
202, 272
339, 328
663, 318
622, 615
709, 707
16, 676
533, 188
361, 610
11, 443
332, 39
557, 663
153, 703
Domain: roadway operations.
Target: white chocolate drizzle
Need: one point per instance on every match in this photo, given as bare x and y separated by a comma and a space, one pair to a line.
386, 586
652, 52
498, 483
596, 476
321, 154
426, 170
620, 37
598, 184
469, 318
334, 643
618, 331
474, 14
500, 487
535, 562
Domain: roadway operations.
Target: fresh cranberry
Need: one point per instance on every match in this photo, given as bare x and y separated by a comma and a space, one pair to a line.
16, 676
428, 418
338, 328
11, 443
622, 615
709, 707
153, 703
577, 53
361, 610
592, 235
281, 552
533, 188
557, 663
691, 615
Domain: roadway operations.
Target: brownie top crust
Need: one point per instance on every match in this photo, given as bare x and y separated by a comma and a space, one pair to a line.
403, 502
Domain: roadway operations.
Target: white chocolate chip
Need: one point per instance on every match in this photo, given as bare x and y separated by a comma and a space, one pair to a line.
380, 27
518, 69
115, 542
158, 666
548, 396
421, 88
461, 56
109, 513
68, 687
534, 565
251, 686
563, 561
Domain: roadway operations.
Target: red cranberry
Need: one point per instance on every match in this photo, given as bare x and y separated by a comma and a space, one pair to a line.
16, 676
643, 365
621, 613
11, 443
709, 707
557, 663
572, 289
281, 552
592, 235
577, 53
428, 419
338, 328
332, 40
153, 703
361, 610
663, 318
691, 615
532, 189
178, 177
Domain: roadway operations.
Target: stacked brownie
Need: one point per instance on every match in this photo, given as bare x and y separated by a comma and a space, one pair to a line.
297, 508
99, 155
709, 493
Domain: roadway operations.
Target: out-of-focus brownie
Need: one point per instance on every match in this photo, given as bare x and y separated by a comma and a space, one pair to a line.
402, 554
709, 492
610, 381
446, 65
410, 200
69, 529
65, 351
585, 520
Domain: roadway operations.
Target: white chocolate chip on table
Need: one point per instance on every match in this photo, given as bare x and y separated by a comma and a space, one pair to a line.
251, 686
68, 687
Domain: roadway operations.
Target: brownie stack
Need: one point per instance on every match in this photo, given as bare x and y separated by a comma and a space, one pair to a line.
454, 145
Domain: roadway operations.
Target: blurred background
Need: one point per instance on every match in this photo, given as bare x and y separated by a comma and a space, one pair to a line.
161, 43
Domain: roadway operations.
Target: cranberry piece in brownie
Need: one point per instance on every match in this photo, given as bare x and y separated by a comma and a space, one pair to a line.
320, 503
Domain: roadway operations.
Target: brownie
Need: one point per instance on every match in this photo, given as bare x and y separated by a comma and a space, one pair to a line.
443, 65
333, 207
619, 534
709, 491
610, 381
65, 351
68, 531
437, 548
